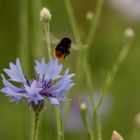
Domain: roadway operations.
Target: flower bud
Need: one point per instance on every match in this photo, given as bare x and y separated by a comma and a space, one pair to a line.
45, 15
129, 34
116, 136
83, 107
89, 15
83, 110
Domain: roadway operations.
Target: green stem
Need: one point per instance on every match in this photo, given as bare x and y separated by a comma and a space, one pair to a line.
73, 24
88, 77
92, 31
97, 125
36, 29
111, 76
59, 123
78, 42
86, 123
47, 38
24, 35
35, 125
76, 34
83, 53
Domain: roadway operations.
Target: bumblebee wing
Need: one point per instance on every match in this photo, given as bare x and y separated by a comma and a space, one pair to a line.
54, 39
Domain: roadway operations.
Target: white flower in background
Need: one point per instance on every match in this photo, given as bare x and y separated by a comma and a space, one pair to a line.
128, 8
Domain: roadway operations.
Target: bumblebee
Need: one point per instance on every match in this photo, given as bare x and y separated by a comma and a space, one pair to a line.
63, 48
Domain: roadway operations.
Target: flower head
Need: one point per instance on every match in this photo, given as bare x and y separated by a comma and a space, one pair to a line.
89, 15
45, 15
129, 34
48, 84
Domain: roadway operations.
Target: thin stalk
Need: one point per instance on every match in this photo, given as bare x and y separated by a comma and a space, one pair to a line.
24, 35
84, 115
73, 23
76, 33
92, 31
90, 37
89, 82
35, 125
82, 61
97, 125
47, 38
88, 77
77, 38
59, 123
89, 130
36, 29
83, 53
111, 76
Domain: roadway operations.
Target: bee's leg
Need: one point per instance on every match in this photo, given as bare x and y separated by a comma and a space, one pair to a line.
65, 55
68, 52
54, 53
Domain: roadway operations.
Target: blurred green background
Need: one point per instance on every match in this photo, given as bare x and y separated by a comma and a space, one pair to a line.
124, 95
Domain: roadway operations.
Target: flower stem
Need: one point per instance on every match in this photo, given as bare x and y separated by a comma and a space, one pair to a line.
84, 115
92, 31
88, 77
36, 30
24, 35
47, 38
97, 125
59, 123
35, 125
111, 75
83, 57
73, 24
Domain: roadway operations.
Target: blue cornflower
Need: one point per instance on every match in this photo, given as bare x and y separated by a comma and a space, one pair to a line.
48, 84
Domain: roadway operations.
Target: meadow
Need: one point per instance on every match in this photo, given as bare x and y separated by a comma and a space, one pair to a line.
103, 95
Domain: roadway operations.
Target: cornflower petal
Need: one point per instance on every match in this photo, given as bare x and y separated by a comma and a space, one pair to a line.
8, 84
15, 72
48, 71
14, 96
53, 69
62, 86
66, 79
33, 93
53, 101
41, 68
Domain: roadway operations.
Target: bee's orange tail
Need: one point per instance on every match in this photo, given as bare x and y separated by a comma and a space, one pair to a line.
54, 54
